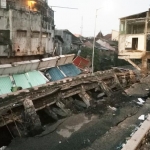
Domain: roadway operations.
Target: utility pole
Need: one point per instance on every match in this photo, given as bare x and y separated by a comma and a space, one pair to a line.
81, 27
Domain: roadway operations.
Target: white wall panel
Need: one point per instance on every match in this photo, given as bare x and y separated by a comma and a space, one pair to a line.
69, 58
48, 63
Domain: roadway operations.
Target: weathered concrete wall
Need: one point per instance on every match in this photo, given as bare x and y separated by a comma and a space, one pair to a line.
67, 38
67, 46
30, 32
125, 41
115, 35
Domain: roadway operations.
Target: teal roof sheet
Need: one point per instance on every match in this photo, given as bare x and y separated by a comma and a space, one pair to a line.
5, 85
35, 78
21, 81
70, 70
55, 74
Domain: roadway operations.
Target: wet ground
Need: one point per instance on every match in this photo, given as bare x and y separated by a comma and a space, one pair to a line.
106, 125
87, 131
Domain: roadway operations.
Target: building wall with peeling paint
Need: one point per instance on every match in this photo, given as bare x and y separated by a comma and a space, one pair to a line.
125, 42
31, 29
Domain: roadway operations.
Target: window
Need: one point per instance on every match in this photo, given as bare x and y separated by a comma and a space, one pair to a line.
44, 35
35, 34
21, 34
122, 27
135, 27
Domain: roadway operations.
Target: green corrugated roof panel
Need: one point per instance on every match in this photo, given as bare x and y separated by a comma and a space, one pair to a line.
22, 81
5, 85
35, 78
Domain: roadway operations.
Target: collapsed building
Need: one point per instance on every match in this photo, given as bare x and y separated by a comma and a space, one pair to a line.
48, 86
26, 30
134, 39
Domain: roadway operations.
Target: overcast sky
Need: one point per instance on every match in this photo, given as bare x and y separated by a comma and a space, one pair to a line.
107, 18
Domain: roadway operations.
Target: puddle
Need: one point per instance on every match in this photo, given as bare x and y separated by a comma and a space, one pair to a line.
68, 130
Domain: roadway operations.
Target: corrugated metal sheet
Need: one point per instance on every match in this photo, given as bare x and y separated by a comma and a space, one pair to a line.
69, 59
65, 59
48, 63
81, 62
29, 79
4, 68
55, 74
70, 70
5, 85
22, 81
35, 78
26, 66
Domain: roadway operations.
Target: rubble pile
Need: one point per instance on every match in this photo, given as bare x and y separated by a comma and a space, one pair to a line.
23, 113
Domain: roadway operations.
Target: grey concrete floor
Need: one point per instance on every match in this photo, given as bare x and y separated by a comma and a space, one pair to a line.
87, 131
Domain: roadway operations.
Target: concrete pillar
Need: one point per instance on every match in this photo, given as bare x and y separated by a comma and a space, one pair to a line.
105, 88
31, 112
144, 65
85, 97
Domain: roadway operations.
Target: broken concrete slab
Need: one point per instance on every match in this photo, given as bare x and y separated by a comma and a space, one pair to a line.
138, 90
80, 103
59, 112
85, 96
100, 95
51, 113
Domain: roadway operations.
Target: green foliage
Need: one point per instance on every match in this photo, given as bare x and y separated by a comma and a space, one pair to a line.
87, 52
102, 60
113, 43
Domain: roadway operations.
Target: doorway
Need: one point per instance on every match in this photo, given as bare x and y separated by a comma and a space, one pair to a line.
134, 43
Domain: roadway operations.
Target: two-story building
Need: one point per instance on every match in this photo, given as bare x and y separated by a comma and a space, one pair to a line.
134, 39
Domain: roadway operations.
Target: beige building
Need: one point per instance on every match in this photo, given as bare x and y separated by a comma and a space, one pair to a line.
134, 41
114, 35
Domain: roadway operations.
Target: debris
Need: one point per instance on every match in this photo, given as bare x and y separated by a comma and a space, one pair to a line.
3, 147
132, 134
59, 142
51, 113
142, 117
112, 108
88, 140
80, 103
59, 112
141, 100
139, 103
100, 95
